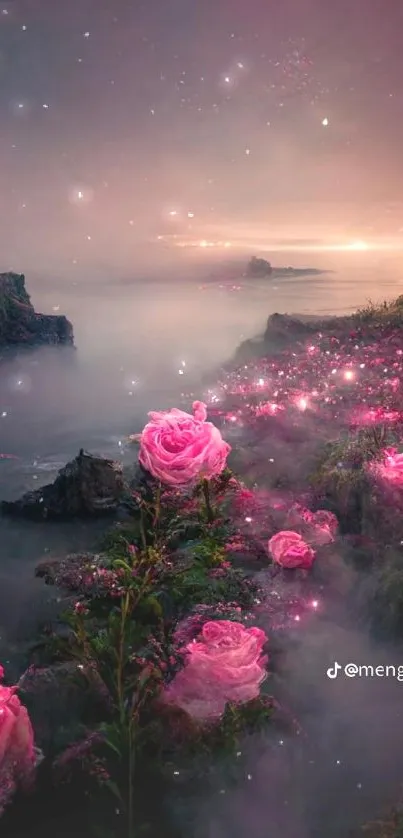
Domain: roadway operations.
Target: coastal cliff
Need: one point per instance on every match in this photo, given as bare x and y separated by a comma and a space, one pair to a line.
21, 324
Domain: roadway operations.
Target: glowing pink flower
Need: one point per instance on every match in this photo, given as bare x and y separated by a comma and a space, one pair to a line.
17, 753
288, 549
180, 449
225, 664
391, 469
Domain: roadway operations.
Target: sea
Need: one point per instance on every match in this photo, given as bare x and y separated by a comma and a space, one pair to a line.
143, 345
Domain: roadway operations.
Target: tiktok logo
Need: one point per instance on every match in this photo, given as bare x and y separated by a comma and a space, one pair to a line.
333, 671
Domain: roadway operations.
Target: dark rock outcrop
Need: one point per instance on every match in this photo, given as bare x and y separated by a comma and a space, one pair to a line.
284, 330
259, 268
19, 322
88, 486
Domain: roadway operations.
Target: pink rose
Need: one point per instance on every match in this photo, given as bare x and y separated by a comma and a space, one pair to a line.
225, 664
17, 753
288, 549
180, 449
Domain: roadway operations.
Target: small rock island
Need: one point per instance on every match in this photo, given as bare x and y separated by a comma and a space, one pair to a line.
258, 268
20, 324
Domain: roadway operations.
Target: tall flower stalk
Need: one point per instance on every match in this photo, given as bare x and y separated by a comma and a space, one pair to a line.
207, 500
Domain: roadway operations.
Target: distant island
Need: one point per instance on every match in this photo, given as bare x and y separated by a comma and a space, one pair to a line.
258, 268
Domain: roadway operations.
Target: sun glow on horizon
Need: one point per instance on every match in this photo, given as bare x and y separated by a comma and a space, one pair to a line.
250, 240
358, 245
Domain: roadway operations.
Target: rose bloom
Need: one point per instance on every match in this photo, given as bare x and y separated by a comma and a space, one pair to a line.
288, 549
180, 449
17, 753
225, 664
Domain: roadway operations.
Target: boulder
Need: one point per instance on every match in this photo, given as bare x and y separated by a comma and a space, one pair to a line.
19, 322
88, 486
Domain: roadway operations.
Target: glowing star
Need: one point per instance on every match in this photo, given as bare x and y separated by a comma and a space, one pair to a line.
227, 80
325, 122
349, 375
191, 215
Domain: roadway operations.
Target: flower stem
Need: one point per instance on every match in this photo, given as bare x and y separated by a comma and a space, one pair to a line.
130, 781
157, 507
207, 501
124, 609
143, 529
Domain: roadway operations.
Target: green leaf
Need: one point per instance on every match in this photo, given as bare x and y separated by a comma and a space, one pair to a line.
152, 603
123, 564
114, 789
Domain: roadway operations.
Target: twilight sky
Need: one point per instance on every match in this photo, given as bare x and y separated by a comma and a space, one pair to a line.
124, 121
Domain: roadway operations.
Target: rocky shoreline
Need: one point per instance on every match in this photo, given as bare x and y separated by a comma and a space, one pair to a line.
21, 325
315, 418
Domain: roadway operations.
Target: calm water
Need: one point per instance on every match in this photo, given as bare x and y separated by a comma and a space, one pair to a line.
138, 346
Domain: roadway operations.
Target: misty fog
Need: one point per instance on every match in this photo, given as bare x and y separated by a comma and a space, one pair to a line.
139, 346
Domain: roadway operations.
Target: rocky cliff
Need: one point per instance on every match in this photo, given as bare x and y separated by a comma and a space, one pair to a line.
19, 322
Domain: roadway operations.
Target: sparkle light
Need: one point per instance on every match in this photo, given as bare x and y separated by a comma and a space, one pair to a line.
302, 403
80, 194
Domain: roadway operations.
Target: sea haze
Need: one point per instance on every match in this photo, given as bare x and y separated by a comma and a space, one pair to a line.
140, 342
